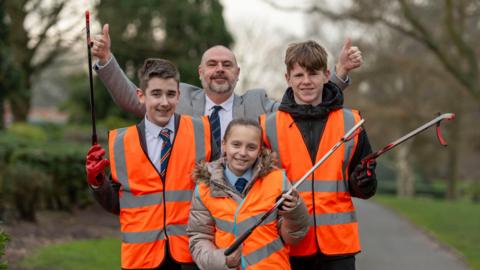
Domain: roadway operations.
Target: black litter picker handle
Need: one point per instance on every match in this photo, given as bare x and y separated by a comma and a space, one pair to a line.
92, 101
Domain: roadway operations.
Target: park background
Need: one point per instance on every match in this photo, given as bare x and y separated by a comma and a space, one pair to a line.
420, 58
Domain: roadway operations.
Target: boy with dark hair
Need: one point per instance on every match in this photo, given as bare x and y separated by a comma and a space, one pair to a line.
150, 187
309, 121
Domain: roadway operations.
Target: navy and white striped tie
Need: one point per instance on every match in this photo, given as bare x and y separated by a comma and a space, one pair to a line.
215, 125
166, 149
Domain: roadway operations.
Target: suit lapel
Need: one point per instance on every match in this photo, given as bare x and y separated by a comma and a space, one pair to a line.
238, 109
141, 135
198, 103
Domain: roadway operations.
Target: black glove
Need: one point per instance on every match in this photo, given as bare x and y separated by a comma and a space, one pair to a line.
364, 173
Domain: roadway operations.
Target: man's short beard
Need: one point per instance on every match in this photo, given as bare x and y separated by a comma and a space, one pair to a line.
220, 89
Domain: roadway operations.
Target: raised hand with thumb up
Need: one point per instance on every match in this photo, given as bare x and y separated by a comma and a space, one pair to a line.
350, 58
101, 46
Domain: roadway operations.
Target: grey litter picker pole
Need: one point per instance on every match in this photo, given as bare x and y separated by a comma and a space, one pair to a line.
347, 137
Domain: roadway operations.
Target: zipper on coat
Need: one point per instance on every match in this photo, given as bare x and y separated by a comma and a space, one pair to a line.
313, 187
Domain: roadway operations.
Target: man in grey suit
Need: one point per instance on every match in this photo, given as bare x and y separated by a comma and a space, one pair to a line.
218, 72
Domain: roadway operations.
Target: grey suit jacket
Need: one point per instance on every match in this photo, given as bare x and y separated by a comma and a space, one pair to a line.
252, 104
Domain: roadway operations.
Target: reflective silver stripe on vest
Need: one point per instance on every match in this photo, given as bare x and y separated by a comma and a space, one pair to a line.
154, 235
224, 225
177, 229
143, 237
199, 137
322, 186
348, 123
271, 130
263, 252
334, 218
131, 201
178, 195
119, 156
243, 226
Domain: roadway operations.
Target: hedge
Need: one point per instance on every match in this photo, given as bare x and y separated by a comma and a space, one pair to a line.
38, 175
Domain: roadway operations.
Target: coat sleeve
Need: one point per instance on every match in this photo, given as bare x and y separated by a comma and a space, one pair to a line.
294, 225
201, 230
107, 196
269, 105
339, 82
122, 90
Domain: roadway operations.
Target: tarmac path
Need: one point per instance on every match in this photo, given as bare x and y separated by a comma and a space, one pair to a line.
390, 242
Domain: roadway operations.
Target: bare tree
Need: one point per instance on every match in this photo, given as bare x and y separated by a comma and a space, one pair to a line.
448, 30
36, 40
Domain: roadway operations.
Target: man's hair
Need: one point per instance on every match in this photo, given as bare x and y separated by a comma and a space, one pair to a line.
159, 68
309, 55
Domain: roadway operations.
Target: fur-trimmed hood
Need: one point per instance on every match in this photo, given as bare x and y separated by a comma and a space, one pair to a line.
207, 172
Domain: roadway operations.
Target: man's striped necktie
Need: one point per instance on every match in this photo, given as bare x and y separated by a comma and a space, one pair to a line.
215, 125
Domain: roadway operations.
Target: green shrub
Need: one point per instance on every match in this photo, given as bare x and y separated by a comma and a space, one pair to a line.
3, 242
8, 145
473, 190
31, 132
52, 174
23, 187
113, 122
65, 164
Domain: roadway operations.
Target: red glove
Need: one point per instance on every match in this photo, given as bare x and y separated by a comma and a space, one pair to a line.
364, 174
95, 165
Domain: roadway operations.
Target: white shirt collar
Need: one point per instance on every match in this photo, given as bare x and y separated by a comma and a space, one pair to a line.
154, 129
227, 105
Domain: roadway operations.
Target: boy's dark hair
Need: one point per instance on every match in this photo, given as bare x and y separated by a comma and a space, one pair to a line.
309, 55
156, 67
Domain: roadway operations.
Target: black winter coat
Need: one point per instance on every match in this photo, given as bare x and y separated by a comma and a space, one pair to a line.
311, 122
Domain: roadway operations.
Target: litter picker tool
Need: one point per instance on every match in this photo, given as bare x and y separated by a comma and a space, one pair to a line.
347, 137
92, 101
446, 116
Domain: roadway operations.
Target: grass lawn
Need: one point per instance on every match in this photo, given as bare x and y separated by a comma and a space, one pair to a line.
456, 224
100, 254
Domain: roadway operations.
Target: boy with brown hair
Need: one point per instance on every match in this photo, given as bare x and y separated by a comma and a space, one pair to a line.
150, 187
309, 121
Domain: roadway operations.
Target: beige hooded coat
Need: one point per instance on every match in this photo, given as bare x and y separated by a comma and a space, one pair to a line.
292, 225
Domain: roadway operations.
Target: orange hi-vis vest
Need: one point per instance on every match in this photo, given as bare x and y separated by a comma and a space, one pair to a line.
154, 210
333, 223
263, 249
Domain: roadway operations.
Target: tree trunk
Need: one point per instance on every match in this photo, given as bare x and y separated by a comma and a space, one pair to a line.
2, 114
405, 178
20, 96
20, 105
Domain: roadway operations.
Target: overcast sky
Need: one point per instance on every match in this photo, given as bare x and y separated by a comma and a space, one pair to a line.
238, 13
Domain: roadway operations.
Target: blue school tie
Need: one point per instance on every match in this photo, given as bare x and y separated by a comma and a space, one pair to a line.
215, 125
166, 149
240, 184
